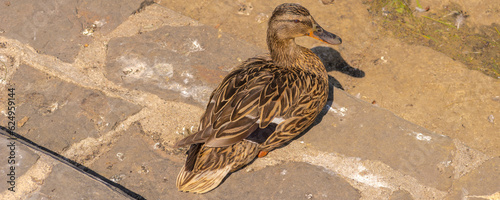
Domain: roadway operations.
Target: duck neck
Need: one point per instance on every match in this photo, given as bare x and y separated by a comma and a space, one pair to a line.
286, 53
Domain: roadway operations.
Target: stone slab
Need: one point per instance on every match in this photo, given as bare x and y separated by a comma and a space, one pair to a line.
187, 60
373, 133
63, 181
135, 163
58, 113
67, 183
482, 183
287, 181
400, 195
56, 27
16, 155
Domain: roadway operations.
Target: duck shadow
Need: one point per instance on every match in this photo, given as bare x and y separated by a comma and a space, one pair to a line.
333, 61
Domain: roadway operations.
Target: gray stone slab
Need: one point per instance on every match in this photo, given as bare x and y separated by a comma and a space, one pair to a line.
287, 181
358, 129
65, 180
135, 163
55, 27
66, 183
15, 155
481, 183
175, 60
58, 113
400, 195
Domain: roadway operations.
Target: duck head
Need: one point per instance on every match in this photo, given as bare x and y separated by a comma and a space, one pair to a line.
291, 20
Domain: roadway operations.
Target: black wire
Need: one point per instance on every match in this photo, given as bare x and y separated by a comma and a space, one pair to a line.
71, 163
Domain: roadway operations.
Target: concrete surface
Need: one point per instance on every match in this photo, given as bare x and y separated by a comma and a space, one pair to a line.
116, 98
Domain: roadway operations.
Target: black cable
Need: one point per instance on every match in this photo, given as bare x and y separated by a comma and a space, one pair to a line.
71, 163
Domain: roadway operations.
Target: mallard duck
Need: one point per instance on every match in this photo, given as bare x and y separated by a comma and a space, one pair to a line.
262, 104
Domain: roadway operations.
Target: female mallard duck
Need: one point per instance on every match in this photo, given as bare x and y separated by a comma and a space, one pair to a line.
262, 104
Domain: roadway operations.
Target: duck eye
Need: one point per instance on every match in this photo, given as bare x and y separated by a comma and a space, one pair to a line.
296, 21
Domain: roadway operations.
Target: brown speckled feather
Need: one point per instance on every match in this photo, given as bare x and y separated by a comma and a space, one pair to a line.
252, 96
262, 104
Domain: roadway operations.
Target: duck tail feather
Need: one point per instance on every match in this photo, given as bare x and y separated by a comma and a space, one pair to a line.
201, 181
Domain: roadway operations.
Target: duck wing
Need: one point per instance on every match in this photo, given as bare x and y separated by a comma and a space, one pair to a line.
251, 100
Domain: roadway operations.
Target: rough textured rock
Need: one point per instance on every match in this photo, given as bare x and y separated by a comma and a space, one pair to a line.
56, 27
60, 184
59, 113
189, 61
482, 183
21, 159
377, 134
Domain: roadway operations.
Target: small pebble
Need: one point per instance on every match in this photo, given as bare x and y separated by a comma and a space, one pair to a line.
261, 17
143, 170
22, 121
117, 178
491, 119
326, 2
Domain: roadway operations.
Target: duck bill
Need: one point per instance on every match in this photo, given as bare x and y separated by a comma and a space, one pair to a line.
320, 34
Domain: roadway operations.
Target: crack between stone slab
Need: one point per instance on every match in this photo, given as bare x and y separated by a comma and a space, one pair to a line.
10, 68
466, 159
81, 73
88, 150
52, 159
31, 181
151, 18
69, 73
